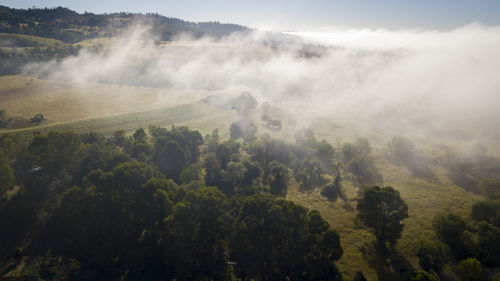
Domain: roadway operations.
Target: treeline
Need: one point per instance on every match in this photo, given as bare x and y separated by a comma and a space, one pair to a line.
162, 204
69, 26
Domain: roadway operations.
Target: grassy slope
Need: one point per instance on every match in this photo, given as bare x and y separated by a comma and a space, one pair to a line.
59, 101
20, 40
196, 115
424, 200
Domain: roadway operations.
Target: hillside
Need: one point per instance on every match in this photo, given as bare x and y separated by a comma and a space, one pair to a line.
70, 27
38, 35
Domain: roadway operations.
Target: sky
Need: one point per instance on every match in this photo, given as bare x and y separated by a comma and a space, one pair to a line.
293, 15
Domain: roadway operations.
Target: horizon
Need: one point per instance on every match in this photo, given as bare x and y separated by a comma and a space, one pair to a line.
299, 15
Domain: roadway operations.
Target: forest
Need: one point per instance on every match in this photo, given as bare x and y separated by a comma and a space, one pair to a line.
170, 204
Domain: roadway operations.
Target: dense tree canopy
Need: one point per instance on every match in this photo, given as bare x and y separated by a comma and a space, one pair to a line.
146, 207
275, 239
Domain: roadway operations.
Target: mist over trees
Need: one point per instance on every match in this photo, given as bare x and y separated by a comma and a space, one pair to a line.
168, 203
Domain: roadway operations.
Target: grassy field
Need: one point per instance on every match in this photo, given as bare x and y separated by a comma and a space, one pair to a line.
59, 101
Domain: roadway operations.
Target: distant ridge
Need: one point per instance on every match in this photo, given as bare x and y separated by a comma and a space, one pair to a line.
69, 26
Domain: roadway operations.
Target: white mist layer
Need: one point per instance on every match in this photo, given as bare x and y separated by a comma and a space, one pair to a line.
428, 78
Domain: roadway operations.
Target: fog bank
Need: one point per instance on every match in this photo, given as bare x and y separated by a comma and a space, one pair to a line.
396, 79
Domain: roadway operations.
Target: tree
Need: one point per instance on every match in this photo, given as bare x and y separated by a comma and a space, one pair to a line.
131, 175
401, 149
37, 119
213, 170
382, 210
57, 153
223, 154
451, 229
120, 139
212, 140
470, 270
431, 255
232, 177
277, 239
196, 235
325, 153
333, 190
364, 171
191, 173
488, 244
488, 211
310, 175
235, 131
279, 177
170, 157
492, 188
140, 135
252, 173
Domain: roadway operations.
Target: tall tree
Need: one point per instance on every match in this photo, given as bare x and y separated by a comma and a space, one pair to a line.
279, 177
196, 235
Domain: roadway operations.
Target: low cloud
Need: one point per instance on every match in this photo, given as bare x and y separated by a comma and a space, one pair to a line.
397, 79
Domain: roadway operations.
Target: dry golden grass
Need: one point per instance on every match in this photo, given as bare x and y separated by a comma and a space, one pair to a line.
25, 96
